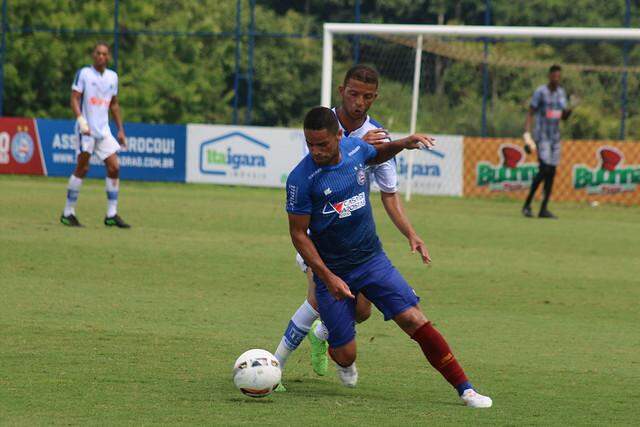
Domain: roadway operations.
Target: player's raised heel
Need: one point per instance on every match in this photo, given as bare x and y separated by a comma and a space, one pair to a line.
473, 399
115, 221
70, 220
348, 375
319, 359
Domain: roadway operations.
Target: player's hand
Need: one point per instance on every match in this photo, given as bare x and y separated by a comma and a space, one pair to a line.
376, 136
529, 144
83, 125
419, 141
338, 288
417, 245
122, 139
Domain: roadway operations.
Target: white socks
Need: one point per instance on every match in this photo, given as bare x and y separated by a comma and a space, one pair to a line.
73, 190
112, 187
296, 331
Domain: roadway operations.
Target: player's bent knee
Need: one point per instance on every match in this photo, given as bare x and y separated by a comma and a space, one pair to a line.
411, 320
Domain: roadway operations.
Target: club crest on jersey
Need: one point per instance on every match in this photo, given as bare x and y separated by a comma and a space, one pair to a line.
344, 208
361, 176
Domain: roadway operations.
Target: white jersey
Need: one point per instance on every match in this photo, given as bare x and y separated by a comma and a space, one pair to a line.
97, 89
385, 174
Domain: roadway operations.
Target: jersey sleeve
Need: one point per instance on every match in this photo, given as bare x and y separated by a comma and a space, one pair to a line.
386, 176
115, 85
368, 150
564, 103
298, 195
536, 99
79, 81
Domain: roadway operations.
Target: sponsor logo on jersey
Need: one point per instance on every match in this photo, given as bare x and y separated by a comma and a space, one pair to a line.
22, 147
511, 174
611, 176
99, 102
233, 154
315, 172
354, 151
344, 208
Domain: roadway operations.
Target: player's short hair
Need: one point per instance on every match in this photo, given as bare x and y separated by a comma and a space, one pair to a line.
554, 68
101, 43
319, 118
362, 73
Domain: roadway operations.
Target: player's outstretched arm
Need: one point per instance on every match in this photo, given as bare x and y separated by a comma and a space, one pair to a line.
411, 142
298, 226
393, 206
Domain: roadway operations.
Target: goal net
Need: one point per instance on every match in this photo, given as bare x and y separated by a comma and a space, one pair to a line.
477, 81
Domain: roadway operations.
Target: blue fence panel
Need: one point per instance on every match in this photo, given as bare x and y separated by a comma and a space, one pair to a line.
154, 152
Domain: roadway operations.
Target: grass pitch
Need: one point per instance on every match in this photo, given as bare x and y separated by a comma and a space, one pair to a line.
141, 326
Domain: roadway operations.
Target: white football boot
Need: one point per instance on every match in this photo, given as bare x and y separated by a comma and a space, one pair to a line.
473, 399
348, 375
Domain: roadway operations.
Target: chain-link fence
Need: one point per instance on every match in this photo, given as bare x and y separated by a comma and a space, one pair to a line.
237, 61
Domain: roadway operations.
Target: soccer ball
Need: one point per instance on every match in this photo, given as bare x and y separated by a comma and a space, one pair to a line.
256, 373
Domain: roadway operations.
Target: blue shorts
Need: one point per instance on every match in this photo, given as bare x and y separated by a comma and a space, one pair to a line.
380, 282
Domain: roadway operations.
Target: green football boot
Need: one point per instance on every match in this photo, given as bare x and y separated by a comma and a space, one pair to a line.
319, 358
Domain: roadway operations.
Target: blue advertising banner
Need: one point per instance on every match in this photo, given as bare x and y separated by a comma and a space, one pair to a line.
154, 152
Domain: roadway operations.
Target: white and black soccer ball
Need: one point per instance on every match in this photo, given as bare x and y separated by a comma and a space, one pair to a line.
256, 373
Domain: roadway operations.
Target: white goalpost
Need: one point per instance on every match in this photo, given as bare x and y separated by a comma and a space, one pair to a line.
421, 32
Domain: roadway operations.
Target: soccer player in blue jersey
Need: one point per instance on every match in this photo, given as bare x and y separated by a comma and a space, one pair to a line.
358, 92
332, 228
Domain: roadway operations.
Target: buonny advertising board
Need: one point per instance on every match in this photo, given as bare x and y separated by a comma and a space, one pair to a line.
242, 155
44, 146
603, 171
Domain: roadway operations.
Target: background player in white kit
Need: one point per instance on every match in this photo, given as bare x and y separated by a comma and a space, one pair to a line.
358, 92
93, 94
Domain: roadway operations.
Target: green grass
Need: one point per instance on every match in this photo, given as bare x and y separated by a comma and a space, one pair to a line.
106, 326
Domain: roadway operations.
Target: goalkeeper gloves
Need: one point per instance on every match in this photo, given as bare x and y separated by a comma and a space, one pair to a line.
83, 125
529, 144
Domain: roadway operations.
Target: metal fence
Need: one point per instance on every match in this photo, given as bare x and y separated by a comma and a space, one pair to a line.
252, 52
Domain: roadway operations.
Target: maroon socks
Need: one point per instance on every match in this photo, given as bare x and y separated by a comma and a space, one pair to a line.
438, 353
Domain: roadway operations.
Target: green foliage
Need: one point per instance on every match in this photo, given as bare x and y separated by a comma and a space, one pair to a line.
177, 79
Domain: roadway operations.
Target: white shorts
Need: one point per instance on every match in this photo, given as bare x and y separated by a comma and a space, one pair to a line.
103, 147
301, 263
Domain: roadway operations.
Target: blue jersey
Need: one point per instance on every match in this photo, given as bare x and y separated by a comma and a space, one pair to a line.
337, 199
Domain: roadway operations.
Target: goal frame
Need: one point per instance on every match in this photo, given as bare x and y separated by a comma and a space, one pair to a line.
460, 31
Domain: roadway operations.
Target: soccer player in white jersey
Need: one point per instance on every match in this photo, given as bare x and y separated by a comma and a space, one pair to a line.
94, 93
358, 92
